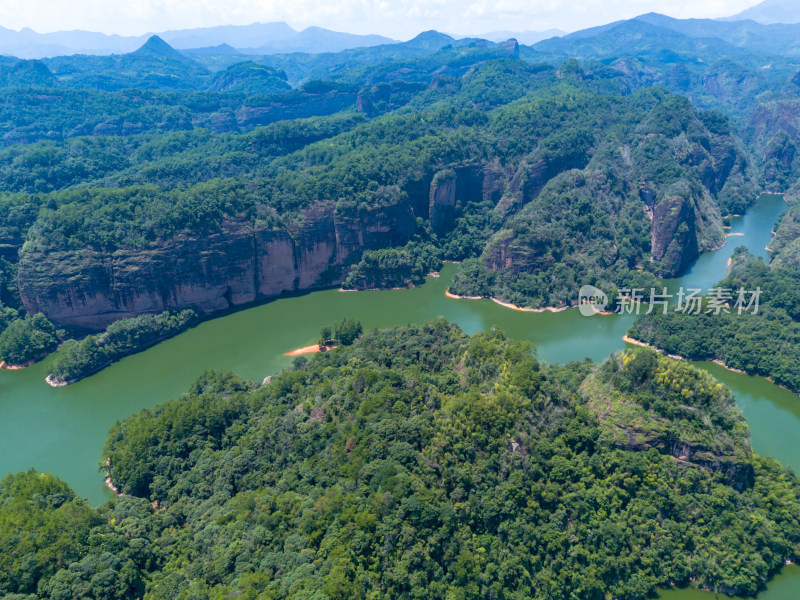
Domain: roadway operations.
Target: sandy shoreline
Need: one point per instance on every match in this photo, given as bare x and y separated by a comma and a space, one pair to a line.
304, 350
505, 304
110, 484
408, 287
12, 367
716, 361
450, 294
527, 308
635, 342
724, 366
56, 383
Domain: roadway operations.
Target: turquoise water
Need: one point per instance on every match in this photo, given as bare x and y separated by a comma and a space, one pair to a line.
62, 430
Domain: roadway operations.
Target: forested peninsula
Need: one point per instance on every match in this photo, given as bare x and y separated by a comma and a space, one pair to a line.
417, 459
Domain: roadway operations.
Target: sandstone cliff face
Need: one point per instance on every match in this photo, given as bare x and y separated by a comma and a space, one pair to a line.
685, 223
239, 264
674, 234
460, 185
442, 206
242, 262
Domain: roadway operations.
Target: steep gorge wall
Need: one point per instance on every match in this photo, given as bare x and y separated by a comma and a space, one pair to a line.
237, 265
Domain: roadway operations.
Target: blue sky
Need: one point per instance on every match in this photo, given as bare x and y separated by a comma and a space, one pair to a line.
399, 19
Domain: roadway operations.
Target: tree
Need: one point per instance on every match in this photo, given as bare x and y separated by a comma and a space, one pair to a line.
324, 335
347, 331
27, 339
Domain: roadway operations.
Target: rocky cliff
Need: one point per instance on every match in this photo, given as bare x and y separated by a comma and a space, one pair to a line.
243, 261
629, 425
674, 234
240, 263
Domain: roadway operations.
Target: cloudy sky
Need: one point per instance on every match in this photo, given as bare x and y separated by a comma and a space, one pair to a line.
399, 19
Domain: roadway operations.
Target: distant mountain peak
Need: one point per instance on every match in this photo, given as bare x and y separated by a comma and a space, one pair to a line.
158, 47
430, 39
770, 11
218, 50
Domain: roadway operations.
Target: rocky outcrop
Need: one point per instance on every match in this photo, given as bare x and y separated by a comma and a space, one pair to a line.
511, 46
685, 223
674, 234
384, 97
241, 263
463, 184
628, 425
295, 105
737, 471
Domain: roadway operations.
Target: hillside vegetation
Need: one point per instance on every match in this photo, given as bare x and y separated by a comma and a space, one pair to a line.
418, 461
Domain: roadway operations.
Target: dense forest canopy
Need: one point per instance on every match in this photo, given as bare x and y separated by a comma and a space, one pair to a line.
159, 187
418, 461
765, 343
540, 172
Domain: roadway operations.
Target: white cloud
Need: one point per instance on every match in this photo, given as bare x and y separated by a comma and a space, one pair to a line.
399, 19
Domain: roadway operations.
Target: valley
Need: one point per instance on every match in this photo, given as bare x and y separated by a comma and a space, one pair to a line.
175, 220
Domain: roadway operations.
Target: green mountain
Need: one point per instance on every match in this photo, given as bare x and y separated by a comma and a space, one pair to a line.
649, 37
155, 65
418, 459
249, 78
469, 163
140, 192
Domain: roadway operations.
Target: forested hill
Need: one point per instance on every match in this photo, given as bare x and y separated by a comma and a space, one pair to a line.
417, 461
460, 166
253, 176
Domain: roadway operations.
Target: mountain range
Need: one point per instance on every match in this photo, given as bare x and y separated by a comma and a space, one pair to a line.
526, 37
705, 39
771, 11
257, 38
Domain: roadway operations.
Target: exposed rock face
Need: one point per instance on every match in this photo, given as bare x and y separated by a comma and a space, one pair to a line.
442, 204
674, 234
237, 265
512, 47
736, 470
461, 185
242, 262
629, 426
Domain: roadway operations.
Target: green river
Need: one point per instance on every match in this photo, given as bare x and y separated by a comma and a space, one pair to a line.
62, 430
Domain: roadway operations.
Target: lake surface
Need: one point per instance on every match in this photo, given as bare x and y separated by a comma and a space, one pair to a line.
62, 430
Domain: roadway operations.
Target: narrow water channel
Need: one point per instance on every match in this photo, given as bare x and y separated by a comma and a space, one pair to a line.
62, 430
